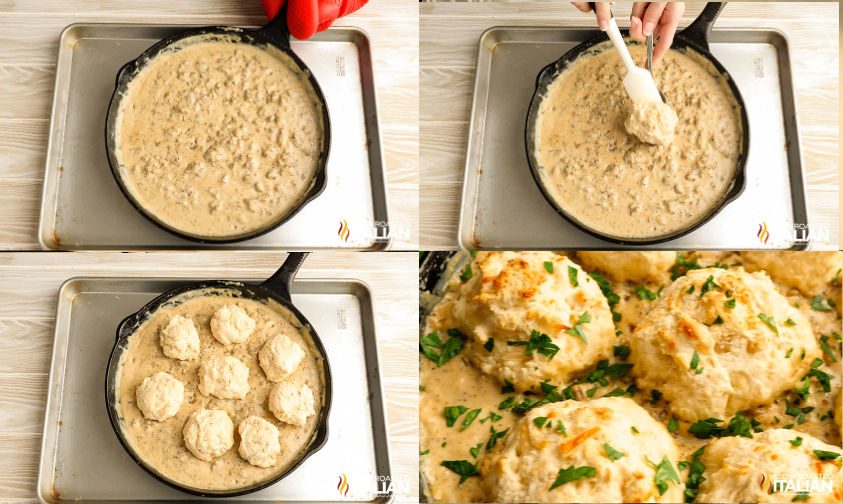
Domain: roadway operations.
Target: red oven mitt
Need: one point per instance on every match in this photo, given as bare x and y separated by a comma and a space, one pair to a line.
306, 17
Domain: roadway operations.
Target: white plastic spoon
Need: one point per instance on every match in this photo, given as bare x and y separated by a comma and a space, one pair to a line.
638, 82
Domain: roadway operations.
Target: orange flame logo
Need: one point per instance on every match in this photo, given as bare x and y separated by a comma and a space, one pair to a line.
765, 484
763, 234
343, 486
344, 232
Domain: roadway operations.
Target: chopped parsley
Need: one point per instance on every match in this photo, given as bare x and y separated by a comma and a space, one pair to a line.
788, 353
789, 322
695, 360
621, 351
800, 496
475, 450
425, 452
822, 377
548, 266
818, 303
611, 453
690, 289
489, 345
469, 418
826, 348
682, 266
493, 439
494, 417
540, 421
507, 387
665, 473
611, 297
708, 285
645, 294
708, 428
634, 429
560, 428
452, 413
826, 455
463, 468
572, 276
695, 475
585, 318
434, 349
672, 425
507, 403
538, 342
466, 275
655, 396
730, 303
572, 473
797, 441
769, 321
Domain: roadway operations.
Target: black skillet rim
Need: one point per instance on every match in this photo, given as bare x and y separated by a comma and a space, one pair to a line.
257, 37
551, 71
257, 292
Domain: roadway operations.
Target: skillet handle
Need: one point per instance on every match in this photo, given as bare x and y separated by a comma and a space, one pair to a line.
282, 280
699, 31
277, 30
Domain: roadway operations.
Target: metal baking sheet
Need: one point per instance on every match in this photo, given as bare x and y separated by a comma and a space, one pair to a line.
82, 460
83, 209
503, 209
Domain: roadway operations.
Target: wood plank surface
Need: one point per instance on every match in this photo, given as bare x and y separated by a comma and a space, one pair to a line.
449, 34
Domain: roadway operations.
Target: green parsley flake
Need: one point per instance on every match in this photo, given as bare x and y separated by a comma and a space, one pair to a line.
548, 266
770, 321
611, 453
572, 473
466, 274
572, 276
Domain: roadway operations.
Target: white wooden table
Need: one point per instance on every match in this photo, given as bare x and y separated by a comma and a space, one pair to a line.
449, 34
29, 34
29, 283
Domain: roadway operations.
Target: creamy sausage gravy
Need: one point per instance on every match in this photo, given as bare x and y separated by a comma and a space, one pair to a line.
219, 138
161, 444
458, 383
610, 180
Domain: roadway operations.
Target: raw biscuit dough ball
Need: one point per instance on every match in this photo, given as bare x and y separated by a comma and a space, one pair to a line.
744, 352
808, 272
179, 339
224, 377
735, 465
259, 443
291, 403
208, 434
519, 297
231, 324
652, 267
159, 396
279, 357
523, 466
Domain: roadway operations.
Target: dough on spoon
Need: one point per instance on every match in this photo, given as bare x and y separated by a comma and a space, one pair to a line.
652, 122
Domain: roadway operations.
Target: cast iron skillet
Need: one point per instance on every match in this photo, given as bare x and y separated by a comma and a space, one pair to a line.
276, 288
275, 34
694, 38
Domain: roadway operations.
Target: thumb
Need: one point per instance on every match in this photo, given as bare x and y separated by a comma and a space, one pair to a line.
302, 18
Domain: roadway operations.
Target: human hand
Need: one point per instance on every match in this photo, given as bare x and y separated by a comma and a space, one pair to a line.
306, 17
659, 19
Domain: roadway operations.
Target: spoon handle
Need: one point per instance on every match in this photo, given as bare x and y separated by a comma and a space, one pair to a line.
650, 53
